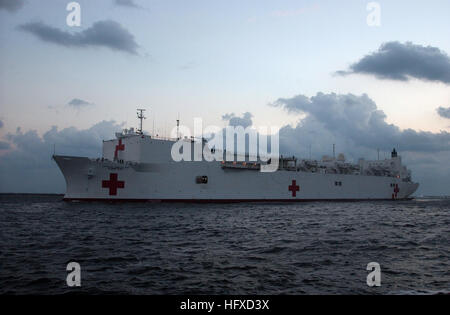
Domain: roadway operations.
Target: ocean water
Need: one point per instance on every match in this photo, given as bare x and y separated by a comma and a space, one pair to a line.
245, 248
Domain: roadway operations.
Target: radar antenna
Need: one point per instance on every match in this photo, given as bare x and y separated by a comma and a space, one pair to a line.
141, 117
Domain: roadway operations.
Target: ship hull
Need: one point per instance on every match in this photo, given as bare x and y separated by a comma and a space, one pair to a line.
102, 180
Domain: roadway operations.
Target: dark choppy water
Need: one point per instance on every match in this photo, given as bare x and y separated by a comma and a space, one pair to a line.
312, 248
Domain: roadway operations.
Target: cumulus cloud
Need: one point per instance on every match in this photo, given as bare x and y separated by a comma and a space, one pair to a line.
444, 112
357, 120
127, 3
398, 61
78, 103
107, 33
359, 128
233, 120
24, 166
11, 5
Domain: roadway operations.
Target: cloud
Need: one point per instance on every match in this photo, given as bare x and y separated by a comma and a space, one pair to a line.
397, 61
127, 3
233, 120
23, 167
444, 112
357, 120
107, 33
359, 128
11, 5
78, 103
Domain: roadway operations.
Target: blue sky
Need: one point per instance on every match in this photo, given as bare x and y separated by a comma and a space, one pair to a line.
209, 58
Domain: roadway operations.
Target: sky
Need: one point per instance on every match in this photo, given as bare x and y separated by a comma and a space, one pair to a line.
321, 70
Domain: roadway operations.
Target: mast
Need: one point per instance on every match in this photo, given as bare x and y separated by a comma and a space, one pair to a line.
178, 127
141, 117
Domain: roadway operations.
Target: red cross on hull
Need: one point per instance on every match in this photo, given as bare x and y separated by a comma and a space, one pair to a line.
396, 191
119, 147
113, 184
294, 188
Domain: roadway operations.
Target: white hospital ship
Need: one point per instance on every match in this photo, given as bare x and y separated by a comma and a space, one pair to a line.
139, 167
